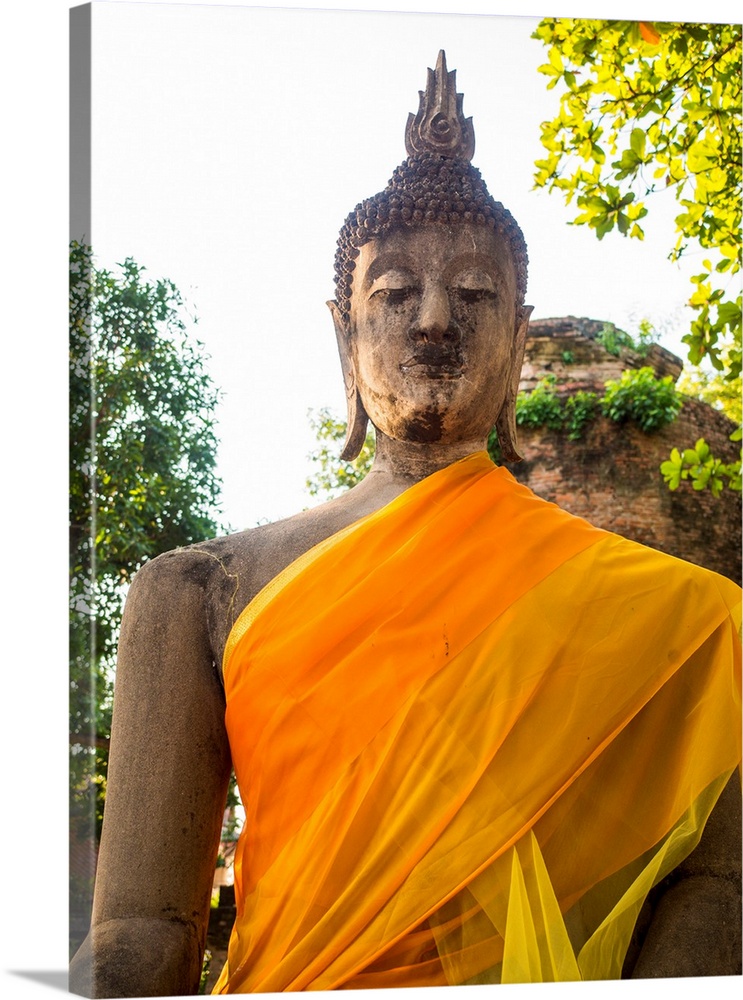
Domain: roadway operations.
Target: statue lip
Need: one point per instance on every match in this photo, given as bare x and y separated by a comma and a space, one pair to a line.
427, 369
434, 361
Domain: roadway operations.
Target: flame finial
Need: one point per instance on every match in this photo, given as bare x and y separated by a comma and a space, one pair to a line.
440, 125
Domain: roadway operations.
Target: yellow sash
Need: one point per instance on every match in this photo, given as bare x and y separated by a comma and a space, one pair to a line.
470, 733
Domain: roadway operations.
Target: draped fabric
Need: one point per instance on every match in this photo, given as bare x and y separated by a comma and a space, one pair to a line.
470, 732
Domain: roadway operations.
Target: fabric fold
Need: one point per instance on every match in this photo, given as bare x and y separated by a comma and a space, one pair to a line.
467, 730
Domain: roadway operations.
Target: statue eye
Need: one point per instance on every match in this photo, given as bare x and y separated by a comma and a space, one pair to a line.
470, 295
395, 296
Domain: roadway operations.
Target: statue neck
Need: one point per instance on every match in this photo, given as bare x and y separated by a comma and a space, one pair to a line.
397, 466
412, 461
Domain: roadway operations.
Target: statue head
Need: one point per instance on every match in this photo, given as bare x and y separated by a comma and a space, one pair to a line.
434, 233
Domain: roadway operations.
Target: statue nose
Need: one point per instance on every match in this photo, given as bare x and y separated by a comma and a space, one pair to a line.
433, 324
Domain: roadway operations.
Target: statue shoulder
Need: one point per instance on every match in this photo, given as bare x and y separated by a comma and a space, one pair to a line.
191, 572
206, 584
211, 582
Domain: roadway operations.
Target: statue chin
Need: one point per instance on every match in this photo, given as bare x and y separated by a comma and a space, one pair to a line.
425, 429
442, 410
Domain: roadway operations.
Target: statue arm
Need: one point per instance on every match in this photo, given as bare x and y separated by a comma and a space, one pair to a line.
166, 791
696, 925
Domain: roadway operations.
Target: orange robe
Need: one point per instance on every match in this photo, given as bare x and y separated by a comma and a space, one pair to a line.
470, 732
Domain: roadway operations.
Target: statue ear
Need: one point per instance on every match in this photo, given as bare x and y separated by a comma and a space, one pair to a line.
358, 421
505, 425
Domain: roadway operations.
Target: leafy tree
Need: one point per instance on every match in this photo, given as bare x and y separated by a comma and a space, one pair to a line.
142, 480
334, 476
701, 468
714, 388
647, 107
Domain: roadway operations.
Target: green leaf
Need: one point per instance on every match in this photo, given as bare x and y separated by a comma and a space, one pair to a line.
637, 142
555, 59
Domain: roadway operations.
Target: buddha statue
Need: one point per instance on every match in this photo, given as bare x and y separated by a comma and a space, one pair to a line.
476, 738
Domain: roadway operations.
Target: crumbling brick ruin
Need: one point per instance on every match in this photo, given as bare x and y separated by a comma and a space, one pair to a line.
611, 475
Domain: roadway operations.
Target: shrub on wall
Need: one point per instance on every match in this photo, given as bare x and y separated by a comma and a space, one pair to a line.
541, 407
579, 409
639, 396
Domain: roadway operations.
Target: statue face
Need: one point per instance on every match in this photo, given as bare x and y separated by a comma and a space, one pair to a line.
431, 333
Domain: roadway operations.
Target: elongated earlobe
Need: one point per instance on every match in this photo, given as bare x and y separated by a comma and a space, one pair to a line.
358, 423
357, 419
505, 425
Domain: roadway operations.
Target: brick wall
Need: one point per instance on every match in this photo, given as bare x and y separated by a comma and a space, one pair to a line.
611, 475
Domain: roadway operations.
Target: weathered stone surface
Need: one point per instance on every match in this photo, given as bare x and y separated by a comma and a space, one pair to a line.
703, 917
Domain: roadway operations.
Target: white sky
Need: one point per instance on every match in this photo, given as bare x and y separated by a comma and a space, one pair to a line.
34, 256
229, 143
